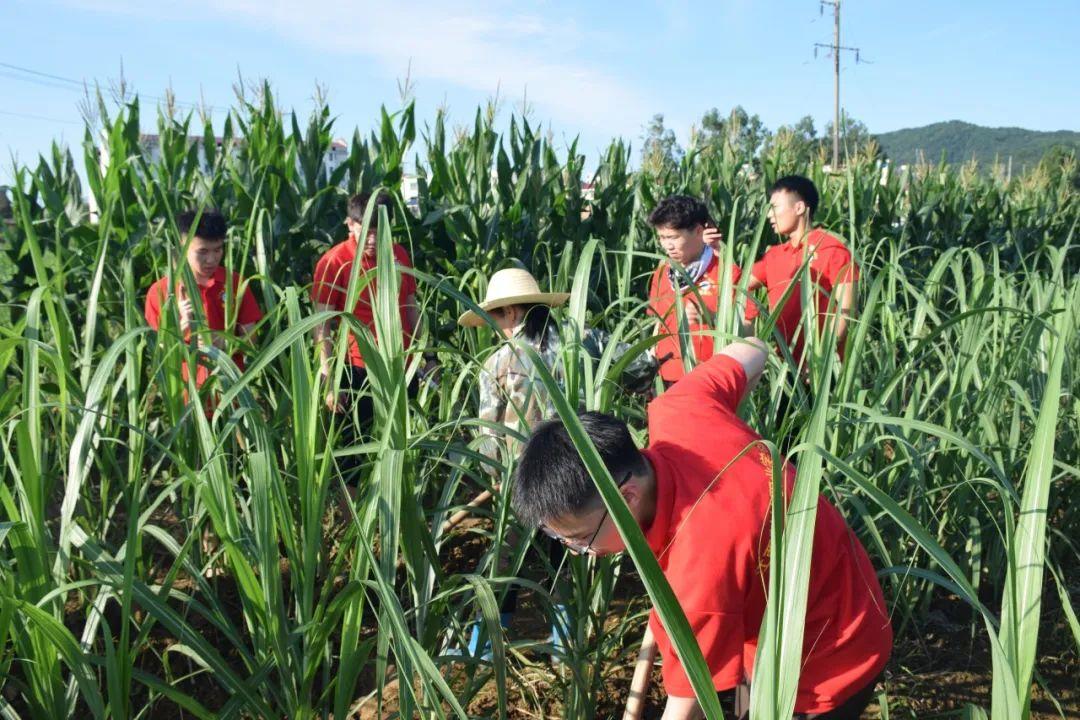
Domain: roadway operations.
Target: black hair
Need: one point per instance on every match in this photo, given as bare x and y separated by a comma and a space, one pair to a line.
680, 212
551, 481
211, 226
801, 187
537, 319
358, 206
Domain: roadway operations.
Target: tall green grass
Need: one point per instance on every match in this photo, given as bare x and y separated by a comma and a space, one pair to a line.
948, 437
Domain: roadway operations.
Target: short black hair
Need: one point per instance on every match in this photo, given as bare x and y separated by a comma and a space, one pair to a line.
551, 481
358, 206
680, 212
802, 187
211, 225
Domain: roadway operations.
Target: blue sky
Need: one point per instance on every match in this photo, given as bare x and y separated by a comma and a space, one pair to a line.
594, 69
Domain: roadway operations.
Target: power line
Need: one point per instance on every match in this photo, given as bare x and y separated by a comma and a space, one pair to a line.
39, 82
28, 116
81, 85
41, 74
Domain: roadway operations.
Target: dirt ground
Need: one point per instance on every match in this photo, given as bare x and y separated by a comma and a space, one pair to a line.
936, 669
934, 672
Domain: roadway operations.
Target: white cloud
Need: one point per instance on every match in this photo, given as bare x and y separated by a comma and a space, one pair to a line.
481, 46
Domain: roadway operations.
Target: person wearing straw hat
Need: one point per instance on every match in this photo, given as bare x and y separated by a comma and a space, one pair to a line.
511, 394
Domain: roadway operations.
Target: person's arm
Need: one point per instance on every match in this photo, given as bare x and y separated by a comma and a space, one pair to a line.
682, 708
751, 353
492, 410
412, 316
757, 274
324, 340
186, 309
247, 332
324, 337
248, 315
842, 271
845, 312
152, 308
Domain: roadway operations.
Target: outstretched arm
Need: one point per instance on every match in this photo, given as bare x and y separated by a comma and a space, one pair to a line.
751, 354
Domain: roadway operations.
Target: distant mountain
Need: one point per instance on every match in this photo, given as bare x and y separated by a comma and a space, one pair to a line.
960, 141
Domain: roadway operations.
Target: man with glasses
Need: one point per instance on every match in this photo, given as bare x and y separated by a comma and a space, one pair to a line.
701, 494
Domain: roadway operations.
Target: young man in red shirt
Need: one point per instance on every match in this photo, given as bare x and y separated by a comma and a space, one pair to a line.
226, 299
690, 277
330, 287
793, 200
704, 511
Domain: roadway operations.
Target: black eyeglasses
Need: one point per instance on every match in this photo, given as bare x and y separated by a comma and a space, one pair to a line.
576, 547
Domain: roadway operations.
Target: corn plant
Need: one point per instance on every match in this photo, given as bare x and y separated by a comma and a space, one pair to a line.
158, 559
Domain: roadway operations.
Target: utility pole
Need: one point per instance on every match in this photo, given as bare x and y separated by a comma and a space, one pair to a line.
834, 48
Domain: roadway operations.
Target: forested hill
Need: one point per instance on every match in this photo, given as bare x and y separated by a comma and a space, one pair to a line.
960, 141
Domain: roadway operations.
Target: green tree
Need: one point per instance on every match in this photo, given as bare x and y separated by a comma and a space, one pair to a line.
855, 138
744, 133
797, 142
660, 151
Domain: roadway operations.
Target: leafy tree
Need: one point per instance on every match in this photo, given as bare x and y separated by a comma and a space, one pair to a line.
744, 133
797, 142
855, 137
660, 151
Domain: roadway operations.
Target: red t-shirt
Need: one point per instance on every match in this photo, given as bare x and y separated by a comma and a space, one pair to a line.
831, 264
662, 297
331, 285
712, 540
213, 304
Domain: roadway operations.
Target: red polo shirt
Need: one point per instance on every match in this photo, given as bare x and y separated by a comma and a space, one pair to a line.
831, 264
331, 285
213, 303
662, 297
711, 538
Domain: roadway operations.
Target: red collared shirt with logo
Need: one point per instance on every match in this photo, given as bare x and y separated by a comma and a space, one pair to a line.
331, 283
831, 264
213, 296
662, 298
710, 534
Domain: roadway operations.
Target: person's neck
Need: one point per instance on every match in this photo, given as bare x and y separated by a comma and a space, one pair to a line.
204, 281
648, 498
694, 259
798, 237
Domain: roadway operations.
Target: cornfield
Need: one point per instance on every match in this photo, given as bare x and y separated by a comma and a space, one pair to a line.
948, 437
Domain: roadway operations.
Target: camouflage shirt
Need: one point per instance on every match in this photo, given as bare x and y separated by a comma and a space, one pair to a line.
512, 394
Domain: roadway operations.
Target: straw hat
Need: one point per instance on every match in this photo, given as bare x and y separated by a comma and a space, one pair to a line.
511, 287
